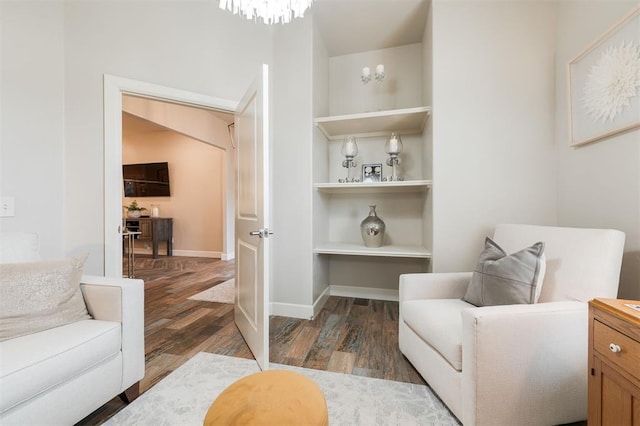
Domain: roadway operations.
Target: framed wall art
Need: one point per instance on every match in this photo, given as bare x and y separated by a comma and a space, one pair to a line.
604, 84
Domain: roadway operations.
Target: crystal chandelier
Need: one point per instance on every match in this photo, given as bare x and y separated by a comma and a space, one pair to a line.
270, 11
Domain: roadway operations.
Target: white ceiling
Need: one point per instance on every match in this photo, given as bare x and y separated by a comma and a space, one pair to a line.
351, 26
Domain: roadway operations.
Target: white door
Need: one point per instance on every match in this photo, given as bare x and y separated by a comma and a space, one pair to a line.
252, 219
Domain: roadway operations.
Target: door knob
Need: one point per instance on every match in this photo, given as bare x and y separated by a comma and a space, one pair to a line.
262, 233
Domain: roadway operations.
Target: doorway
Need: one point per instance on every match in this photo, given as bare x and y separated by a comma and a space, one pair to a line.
251, 311
174, 163
114, 90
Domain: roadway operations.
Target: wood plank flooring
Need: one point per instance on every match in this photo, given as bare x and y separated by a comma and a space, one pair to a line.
354, 336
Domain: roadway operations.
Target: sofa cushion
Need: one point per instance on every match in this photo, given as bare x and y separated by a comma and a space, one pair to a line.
35, 363
439, 323
502, 279
36, 296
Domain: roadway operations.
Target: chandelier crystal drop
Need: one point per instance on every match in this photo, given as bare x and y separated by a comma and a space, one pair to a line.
270, 11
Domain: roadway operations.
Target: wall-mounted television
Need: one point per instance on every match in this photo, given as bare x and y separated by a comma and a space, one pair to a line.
146, 180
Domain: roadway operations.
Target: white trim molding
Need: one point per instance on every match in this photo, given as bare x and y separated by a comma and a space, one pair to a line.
365, 292
301, 311
320, 301
291, 310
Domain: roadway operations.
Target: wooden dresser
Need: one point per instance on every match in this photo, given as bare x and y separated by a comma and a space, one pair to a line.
614, 363
154, 229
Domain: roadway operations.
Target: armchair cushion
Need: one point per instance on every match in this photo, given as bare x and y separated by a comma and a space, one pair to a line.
36, 296
439, 323
502, 279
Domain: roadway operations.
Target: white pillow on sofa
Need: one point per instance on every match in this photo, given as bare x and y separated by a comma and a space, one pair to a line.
36, 296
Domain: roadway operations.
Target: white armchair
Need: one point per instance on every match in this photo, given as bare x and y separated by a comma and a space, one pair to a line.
512, 364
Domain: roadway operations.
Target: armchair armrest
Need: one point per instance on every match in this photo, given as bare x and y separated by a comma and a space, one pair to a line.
535, 352
120, 300
434, 286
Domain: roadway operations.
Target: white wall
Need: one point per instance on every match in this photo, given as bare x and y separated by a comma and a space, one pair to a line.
291, 172
427, 151
399, 89
319, 158
498, 154
32, 120
598, 184
493, 123
192, 46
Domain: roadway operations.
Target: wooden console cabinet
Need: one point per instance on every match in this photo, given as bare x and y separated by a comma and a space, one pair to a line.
154, 229
614, 363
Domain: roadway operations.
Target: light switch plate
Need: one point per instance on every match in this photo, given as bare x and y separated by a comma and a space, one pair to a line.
7, 207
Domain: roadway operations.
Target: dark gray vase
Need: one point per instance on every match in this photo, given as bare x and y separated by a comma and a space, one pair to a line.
372, 229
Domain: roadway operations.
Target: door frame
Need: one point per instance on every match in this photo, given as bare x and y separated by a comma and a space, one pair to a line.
114, 87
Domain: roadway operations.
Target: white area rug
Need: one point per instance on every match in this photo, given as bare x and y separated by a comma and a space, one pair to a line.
222, 293
184, 396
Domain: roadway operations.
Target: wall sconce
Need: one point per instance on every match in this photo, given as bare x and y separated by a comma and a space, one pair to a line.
380, 73
394, 148
349, 150
365, 74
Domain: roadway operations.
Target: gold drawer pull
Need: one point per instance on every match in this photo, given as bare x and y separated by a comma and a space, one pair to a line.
615, 348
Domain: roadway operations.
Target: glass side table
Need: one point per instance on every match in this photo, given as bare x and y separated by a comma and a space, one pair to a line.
130, 237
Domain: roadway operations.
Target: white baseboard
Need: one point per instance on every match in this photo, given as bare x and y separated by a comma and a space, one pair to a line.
320, 301
292, 311
300, 311
228, 256
364, 292
198, 253
310, 312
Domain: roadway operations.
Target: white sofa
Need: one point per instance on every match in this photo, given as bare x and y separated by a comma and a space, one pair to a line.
61, 375
522, 364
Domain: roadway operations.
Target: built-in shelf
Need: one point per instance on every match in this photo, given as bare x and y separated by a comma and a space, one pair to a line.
380, 123
374, 187
353, 249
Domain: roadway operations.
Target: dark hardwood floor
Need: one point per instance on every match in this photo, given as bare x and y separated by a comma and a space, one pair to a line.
354, 336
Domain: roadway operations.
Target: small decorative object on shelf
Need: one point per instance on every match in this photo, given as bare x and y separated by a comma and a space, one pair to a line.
372, 229
394, 148
349, 150
155, 211
134, 210
371, 172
